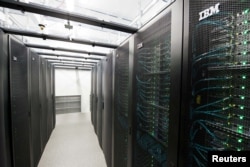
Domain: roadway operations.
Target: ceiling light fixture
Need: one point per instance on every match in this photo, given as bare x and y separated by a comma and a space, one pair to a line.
42, 26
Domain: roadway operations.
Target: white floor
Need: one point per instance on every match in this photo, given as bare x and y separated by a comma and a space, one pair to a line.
73, 143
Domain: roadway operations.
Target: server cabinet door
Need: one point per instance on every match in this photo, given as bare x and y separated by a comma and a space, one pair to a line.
20, 104
99, 103
49, 99
94, 98
121, 112
153, 67
35, 106
4, 103
43, 102
219, 55
107, 109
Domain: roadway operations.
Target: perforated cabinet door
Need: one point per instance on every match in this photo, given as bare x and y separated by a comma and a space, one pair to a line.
20, 109
107, 109
35, 107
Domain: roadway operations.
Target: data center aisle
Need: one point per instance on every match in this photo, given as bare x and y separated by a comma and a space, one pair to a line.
73, 143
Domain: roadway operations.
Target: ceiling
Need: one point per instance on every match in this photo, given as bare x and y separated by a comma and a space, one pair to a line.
131, 13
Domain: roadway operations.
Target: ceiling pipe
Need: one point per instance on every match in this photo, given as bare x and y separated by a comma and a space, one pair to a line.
72, 65
76, 65
69, 61
67, 56
64, 49
71, 68
38, 9
56, 37
60, 59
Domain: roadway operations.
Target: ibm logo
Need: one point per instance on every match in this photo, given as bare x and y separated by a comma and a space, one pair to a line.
209, 12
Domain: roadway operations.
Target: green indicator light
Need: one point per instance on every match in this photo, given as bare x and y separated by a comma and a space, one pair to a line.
245, 32
240, 131
241, 117
244, 62
242, 97
244, 77
242, 107
245, 21
238, 149
240, 127
240, 140
243, 87
246, 11
245, 42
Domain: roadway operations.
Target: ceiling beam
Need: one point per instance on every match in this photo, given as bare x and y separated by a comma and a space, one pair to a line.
68, 56
71, 68
39, 9
56, 37
70, 61
94, 62
64, 49
71, 64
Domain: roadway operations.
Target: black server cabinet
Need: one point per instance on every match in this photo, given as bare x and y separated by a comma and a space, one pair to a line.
53, 96
107, 108
43, 98
99, 103
153, 63
35, 106
20, 103
49, 98
94, 97
219, 64
91, 96
5, 136
157, 89
121, 111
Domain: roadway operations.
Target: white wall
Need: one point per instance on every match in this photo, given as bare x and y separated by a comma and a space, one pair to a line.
74, 82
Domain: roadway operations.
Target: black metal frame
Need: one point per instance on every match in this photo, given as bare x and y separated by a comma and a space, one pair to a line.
64, 49
67, 56
38, 9
56, 37
94, 62
70, 61
5, 121
176, 88
73, 64
69, 65
70, 68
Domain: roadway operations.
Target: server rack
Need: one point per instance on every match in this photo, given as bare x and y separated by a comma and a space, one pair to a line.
91, 96
99, 99
121, 111
5, 124
20, 103
157, 92
49, 97
35, 106
53, 96
153, 62
94, 99
44, 108
219, 66
107, 108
